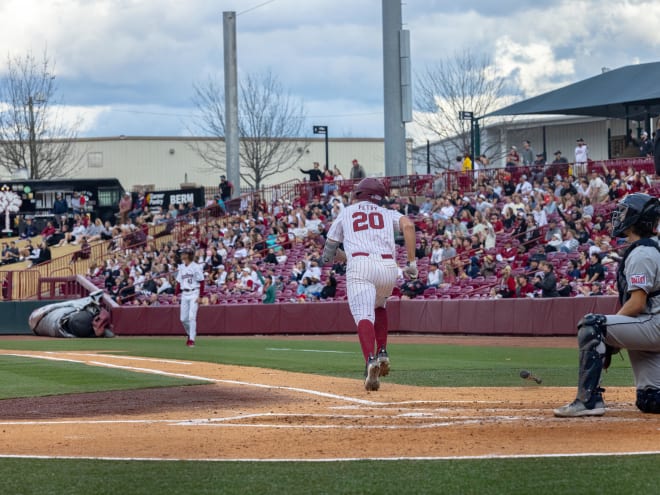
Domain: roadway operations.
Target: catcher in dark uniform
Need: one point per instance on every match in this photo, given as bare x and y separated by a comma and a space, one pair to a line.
636, 326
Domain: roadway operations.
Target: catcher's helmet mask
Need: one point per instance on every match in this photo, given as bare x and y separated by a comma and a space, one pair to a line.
638, 209
370, 189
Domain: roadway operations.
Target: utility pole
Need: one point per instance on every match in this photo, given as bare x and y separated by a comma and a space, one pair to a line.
231, 101
397, 96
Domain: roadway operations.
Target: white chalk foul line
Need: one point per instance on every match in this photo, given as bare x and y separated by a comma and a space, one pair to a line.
307, 350
207, 379
132, 358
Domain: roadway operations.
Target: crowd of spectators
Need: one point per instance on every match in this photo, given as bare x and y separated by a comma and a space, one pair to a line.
515, 232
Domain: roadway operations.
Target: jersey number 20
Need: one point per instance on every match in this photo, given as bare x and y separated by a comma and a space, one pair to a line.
364, 221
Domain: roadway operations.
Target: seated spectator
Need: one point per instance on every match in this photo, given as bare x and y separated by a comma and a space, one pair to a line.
564, 288
523, 287
412, 288
596, 271
314, 289
488, 266
48, 231
41, 254
594, 289
506, 287
83, 253
10, 253
330, 288
435, 276
473, 270
27, 229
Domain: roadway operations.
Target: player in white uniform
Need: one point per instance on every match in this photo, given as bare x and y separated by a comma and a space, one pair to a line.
367, 231
190, 281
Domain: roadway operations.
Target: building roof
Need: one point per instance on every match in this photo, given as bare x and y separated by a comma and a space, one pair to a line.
628, 92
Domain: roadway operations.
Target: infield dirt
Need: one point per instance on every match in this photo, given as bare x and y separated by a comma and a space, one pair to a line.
254, 413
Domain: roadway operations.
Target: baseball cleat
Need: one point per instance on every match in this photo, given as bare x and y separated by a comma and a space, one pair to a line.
383, 362
577, 409
190, 343
372, 373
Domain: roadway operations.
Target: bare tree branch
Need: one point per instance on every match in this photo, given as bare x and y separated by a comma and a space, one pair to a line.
33, 134
465, 82
270, 122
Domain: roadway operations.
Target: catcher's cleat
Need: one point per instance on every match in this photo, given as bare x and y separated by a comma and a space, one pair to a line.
372, 373
190, 343
383, 362
577, 409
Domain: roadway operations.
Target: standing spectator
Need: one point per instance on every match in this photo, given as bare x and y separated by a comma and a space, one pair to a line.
538, 168
125, 207
138, 205
645, 145
581, 158
547, 284
527, 154
439, 185
60, 206
559, 165
357, 171
315, 173
77, 203
225, 188
512, 159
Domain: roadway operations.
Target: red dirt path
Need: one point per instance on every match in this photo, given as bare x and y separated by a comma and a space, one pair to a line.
253, 413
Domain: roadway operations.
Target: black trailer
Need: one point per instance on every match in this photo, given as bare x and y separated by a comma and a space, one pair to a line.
100, 196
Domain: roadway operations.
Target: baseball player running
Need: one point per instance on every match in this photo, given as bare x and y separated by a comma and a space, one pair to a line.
367, 231
190, 282
636, 326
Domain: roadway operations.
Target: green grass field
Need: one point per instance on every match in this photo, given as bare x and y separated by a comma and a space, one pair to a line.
429, 365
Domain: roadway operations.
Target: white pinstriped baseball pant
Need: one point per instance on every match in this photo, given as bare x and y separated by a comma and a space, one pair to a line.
369, 282
188, 313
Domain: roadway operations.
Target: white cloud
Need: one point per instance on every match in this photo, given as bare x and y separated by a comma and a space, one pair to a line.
146, 53
533, 66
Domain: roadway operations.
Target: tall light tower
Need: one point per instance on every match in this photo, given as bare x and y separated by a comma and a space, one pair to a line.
397, 93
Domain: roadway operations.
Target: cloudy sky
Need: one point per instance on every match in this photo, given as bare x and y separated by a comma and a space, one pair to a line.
128, 66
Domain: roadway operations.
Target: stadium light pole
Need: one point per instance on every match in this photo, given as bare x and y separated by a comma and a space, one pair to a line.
323, 129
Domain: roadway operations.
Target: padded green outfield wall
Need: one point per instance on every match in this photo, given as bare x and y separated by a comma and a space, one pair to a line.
14, 316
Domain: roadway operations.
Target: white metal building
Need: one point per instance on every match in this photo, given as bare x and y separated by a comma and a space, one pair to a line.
547, 133
167, 162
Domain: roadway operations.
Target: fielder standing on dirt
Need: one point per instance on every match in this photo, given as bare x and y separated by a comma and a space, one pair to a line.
367, 231
636, 326
190, 282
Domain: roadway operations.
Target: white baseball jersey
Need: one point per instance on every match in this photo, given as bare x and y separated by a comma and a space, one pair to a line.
366, 227
189, 277
367, 231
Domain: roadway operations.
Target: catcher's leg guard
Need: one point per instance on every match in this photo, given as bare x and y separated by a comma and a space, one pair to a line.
648, 400
591, 331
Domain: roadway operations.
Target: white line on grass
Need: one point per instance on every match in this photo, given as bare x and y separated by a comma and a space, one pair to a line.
307, 350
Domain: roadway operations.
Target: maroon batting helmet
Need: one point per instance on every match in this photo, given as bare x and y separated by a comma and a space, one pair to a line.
370, 189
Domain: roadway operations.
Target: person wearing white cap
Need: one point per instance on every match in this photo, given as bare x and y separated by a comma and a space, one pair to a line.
524, 187
645, 145
581, 158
